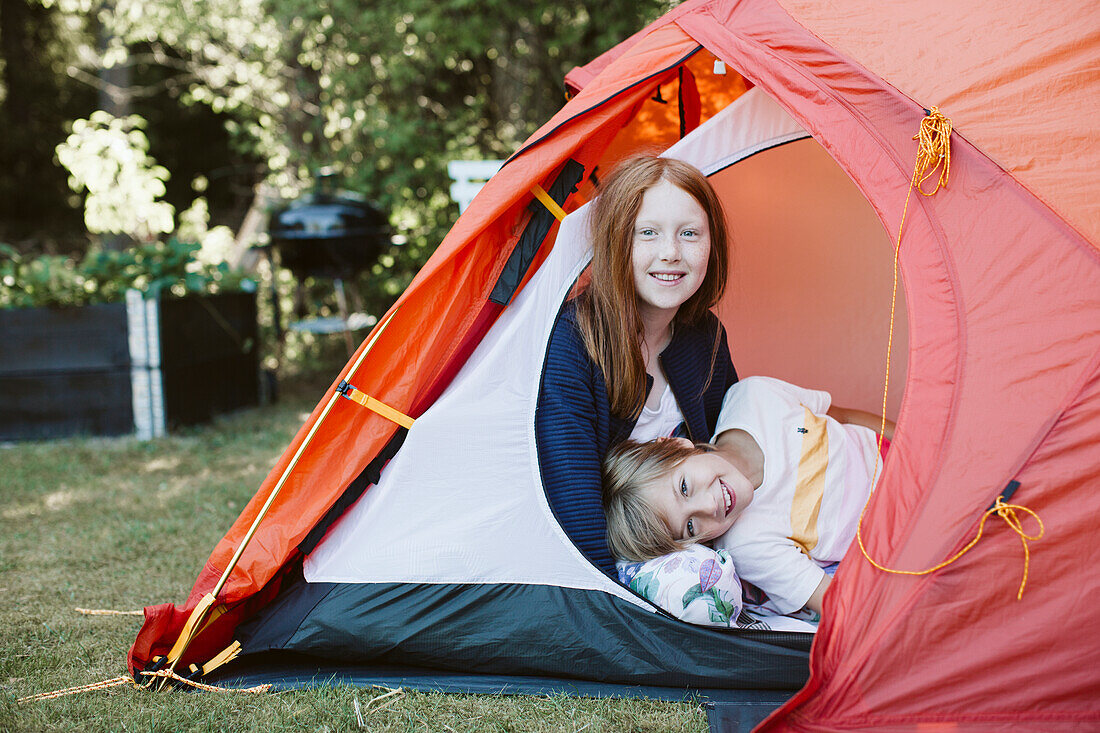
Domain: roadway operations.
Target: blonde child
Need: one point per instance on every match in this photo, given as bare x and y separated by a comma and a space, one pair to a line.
780, 487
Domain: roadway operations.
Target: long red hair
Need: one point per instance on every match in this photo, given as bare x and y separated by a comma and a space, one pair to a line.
607, 310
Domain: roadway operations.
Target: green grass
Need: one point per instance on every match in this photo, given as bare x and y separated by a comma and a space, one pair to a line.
118, 524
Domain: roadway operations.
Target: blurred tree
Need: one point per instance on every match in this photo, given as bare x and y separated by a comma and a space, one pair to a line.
385, 93
108, 159
455, 79
37, 98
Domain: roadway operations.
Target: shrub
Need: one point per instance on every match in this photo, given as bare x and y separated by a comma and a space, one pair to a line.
104, 276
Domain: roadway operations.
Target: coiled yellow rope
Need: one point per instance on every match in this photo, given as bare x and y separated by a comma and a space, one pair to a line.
934, 153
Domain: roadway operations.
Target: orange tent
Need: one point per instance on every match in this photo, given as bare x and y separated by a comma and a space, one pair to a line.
1001, 274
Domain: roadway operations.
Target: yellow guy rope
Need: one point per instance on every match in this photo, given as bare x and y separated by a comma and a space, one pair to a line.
194, 622
1006, 512
119, 681
934, 153
103, 685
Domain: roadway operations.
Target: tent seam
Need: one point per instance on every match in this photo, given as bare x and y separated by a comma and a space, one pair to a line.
856, 723
924, 206
937, 231
888, 150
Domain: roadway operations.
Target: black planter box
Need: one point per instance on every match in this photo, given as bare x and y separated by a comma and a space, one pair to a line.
141, 366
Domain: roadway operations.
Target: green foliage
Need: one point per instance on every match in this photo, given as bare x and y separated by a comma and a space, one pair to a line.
384, 93
103, 276
451, 80
107, 158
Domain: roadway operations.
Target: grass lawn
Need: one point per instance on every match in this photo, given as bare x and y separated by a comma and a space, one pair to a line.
117, 524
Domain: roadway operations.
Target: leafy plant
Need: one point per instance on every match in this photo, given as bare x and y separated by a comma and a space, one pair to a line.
107, 158
104, 276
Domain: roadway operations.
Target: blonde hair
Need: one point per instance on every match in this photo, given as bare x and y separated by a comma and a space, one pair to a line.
635, 531
607, 310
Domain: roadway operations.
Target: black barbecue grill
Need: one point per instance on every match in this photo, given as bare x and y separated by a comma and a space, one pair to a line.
328, 233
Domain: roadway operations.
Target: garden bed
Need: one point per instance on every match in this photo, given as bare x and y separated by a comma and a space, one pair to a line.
141, 367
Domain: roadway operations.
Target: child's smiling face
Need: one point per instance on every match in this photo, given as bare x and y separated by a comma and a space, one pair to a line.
701, 497
671, 249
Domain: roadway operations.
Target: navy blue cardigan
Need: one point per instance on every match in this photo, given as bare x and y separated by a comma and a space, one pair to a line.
574, 427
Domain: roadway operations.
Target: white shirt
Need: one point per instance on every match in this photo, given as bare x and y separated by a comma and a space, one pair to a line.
817, 477
659, 422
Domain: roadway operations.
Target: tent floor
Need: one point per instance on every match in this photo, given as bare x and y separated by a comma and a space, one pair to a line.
727, 710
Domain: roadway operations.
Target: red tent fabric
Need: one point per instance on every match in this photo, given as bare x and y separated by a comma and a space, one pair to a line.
1001, 272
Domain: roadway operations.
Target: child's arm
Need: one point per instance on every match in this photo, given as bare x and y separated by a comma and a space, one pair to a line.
859, 417
814, 603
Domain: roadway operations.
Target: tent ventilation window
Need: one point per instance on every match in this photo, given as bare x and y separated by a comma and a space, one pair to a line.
542, 218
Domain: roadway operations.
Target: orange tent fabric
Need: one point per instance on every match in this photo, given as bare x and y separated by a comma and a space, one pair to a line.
1001, 274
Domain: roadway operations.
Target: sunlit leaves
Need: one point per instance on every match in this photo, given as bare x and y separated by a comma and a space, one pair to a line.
108, 159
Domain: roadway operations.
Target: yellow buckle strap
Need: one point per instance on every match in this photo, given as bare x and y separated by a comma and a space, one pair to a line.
195, 623
370, 403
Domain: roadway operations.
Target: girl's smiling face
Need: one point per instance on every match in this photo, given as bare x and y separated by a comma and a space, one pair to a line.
671, 249
701, 497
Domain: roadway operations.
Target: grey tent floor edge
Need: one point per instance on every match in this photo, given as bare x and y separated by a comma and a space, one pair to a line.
290, 671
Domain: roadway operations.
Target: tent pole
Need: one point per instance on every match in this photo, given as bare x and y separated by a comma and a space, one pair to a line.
193, 625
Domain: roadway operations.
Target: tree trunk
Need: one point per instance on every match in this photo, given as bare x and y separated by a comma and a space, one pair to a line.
116, 98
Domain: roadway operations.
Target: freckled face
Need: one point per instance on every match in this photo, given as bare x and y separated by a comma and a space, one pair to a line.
701, 498
671, 249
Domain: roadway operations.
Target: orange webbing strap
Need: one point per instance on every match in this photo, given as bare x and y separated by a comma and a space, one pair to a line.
550, 204
370, 403
934, 153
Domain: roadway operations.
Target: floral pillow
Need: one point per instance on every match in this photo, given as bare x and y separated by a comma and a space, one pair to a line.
697, 585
